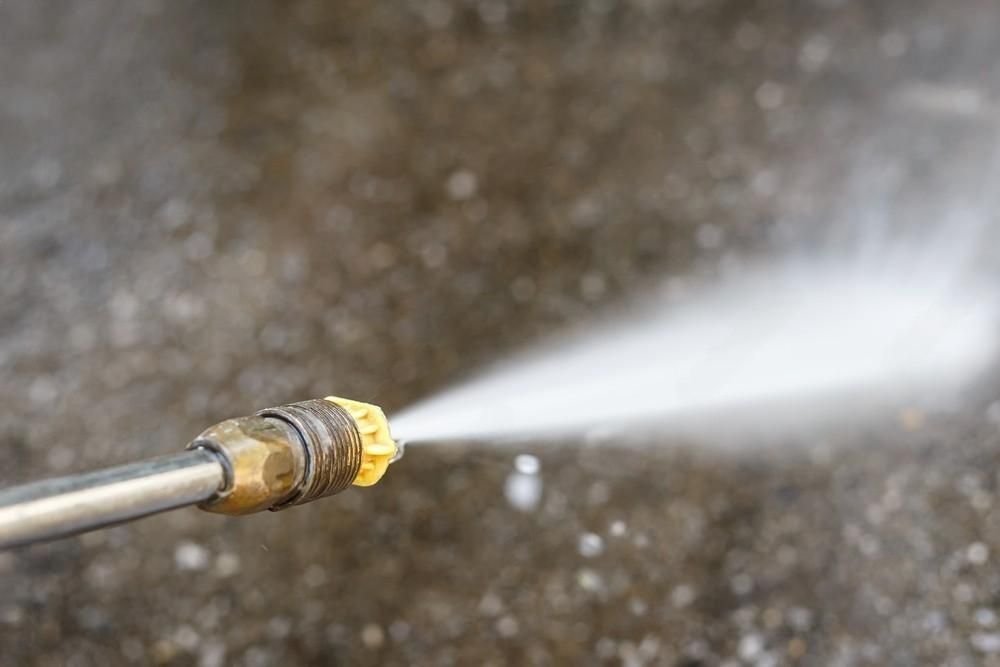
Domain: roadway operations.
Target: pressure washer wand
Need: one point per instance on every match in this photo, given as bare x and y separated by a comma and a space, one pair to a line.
277, 458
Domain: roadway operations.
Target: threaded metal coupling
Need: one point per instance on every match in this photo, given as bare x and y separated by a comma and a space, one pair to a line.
332, 444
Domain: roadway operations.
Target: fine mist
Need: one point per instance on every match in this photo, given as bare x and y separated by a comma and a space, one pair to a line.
909, 318
895, 299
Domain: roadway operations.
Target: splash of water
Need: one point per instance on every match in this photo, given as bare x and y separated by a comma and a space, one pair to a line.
903, 320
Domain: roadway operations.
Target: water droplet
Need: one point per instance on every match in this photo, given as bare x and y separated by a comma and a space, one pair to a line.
279, 627
741, 584
507, 626
682, 596
372, 636
985, 617
770, 95
527, 464
977, 553
637, 606
590, 545
523, 492
750, 646
815, 52
986, 642
212, 653
227, 564
490, 605
191, 556
606, 648
800, 618
462, 184
590, 580
186, 637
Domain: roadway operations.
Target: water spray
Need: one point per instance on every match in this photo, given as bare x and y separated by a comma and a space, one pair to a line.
275, 459
792, 334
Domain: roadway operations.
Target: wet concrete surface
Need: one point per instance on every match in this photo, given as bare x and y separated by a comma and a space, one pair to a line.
208, 208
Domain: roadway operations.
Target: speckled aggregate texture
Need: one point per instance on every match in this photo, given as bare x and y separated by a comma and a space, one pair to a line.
207, 208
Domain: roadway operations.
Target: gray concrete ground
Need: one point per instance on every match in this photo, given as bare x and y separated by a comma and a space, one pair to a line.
207, 208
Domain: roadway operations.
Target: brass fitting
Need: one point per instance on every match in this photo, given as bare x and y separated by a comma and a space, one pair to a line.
293, 454
263, 459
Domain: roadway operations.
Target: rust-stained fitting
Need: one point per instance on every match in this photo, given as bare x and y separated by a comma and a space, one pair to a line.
264, 462
294, 454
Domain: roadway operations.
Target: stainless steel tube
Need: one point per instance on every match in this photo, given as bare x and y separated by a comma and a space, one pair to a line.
67, 505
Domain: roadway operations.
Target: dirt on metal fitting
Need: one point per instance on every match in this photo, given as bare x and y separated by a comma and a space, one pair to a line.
333, 447
264, 462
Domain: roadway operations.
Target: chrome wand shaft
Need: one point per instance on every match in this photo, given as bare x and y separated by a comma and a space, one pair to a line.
67, 505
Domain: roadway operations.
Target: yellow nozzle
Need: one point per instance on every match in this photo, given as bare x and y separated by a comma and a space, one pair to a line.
379, 447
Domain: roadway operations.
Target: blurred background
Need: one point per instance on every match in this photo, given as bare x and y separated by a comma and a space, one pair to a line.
209, 208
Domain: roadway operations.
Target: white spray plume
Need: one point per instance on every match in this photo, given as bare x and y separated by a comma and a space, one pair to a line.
901, 297
902, 319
